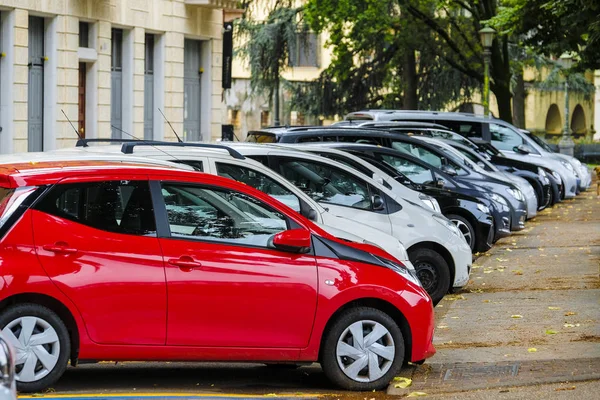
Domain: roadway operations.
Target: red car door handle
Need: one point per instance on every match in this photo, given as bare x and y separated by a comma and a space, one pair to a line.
185, 263
59, 247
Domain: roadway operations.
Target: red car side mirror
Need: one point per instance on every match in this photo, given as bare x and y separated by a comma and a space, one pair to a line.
293, 241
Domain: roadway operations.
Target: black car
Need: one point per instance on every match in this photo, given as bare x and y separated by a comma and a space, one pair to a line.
428, 153
411, 170
470, 215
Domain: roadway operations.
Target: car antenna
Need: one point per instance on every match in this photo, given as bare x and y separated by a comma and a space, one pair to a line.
72, 126
147, 141
173, 129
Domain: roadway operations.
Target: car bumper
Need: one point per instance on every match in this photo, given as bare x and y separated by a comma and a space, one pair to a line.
421, 321
484, 231
517, 222
463, 260
570, 186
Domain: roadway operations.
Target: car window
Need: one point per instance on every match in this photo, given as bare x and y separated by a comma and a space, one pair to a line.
504, 138
220, 215
197, 165
309, 139
467, 129
411, 170
259, 181
360, 139
261, 137
115, 206
420, 152
327, 184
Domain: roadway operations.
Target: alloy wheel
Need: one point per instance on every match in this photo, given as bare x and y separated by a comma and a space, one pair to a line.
365, 351
464, 230
37, 347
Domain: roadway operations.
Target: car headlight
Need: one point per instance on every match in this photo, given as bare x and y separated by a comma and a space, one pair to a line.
541, 172
567, 165
448, 224
483, 208
516, 193
576, 162
401, 269
430, 202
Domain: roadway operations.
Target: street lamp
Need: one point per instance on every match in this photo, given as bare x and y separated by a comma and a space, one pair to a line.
487, 38
566, 144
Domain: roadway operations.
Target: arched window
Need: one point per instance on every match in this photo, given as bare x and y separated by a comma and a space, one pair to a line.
578, 121
554, 124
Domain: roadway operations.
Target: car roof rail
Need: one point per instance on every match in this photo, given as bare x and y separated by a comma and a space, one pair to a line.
86, 142
128, 147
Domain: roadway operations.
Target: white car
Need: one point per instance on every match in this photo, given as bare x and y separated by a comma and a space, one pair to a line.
437, 249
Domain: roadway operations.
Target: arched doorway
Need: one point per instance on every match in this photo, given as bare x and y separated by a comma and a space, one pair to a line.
553, 120
578, 121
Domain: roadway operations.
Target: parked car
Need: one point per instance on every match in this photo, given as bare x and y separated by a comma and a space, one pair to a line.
535, 175
218, 160
99, 253
411, 170
471, 216
8, 387
504, 136
439, 252
425, 151
528, 195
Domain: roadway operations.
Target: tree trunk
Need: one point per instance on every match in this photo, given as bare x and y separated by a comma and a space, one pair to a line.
519, 101
503, 97
409, 73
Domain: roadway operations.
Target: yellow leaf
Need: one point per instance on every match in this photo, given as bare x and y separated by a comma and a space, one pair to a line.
553, 308
403, 382
532, 349
455, 317
569, 313
487, 272
417, 394
518, 272
485, 301
508, 250
551, 332
516, 316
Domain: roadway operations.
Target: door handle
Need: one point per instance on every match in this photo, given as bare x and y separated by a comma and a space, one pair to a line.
185, 263
60, 247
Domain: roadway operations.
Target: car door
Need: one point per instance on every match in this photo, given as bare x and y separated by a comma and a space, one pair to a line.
97, 241
344, 194
226, 286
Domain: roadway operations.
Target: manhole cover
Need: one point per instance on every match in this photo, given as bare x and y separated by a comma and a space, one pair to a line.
481, 371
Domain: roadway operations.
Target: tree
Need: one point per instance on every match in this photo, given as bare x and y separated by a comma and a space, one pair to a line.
553, 27
265, 44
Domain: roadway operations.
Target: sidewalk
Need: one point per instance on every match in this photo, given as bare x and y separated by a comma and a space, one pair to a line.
530, 314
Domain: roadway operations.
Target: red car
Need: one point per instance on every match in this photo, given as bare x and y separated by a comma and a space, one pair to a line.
116, 261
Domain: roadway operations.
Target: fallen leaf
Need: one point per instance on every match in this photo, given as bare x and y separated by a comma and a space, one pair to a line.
403, 382
454, 297
532, 349
553, 308
501, 259
455, 317
508, 249
565, 388
540, 249
487, 272
442, 326
417, 394
485, 301
550, 332
569, 313
516, 316
518, 272
476, 290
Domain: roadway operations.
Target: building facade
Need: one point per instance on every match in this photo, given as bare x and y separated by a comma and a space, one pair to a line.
111, 68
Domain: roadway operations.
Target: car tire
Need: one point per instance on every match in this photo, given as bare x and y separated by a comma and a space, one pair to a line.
340, 337
466, 228
433, 272
54, 346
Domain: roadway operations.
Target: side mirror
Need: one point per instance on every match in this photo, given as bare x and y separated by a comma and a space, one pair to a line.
449, 170
440, 183
481, 164
293, 241
522, 149
378, 203
378, 179
311, 214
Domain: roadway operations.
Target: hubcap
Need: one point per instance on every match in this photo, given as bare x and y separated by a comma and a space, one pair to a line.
427, 275
464, 230
365, 351
37, 346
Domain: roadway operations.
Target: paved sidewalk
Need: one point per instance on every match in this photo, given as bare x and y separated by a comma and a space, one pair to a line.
530, 314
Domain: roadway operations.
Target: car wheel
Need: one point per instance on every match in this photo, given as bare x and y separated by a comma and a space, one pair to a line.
465, 227
363, 350
433, 272
41, 342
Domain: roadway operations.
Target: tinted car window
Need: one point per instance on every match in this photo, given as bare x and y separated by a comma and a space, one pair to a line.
412, 171
309, 139
220, 215
360, 139
259, 181
420, 152
197, 165
504, 138
114, 206
468, 129
327, 184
